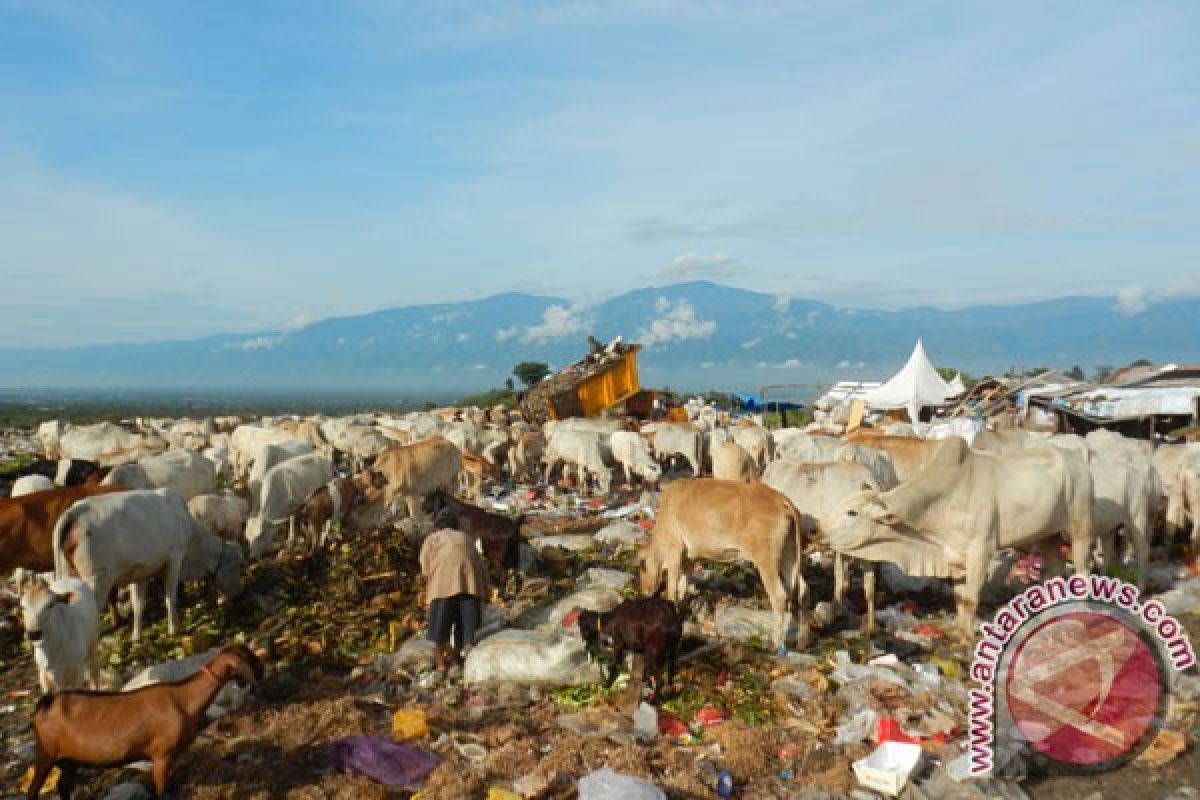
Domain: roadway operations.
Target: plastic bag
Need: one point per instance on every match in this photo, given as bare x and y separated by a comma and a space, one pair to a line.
604, 784
383, 760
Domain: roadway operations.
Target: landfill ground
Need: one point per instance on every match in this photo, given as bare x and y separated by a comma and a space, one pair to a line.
321, 626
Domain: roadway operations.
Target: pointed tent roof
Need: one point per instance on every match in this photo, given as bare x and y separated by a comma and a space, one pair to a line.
956, 385
915, 386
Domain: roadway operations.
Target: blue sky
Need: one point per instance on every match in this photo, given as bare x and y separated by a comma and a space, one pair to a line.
173, 169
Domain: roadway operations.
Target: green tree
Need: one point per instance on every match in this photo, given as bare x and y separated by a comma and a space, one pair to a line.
531, 372
1142, 362
1075, 373
1101, 372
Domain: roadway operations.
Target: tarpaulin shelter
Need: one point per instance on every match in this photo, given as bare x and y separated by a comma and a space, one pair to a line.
914, 387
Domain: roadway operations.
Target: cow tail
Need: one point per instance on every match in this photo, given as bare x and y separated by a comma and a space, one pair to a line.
62, 565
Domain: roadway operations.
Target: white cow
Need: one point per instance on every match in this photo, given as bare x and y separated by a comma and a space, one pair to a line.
1184, 500
730, 462
807, 448
285, 487
267, 457
128, 538
756, 441
48, 435
222, 514
632, 453
1108, 444
108, 444
817, 490
186, 471
1125, 497
28, 484
950, 520
681, 439
62, 624
245, 442
584, 450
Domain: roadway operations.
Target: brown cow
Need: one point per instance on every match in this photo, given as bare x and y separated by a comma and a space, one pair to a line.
415, 471
725, 521
27, 525
475, 470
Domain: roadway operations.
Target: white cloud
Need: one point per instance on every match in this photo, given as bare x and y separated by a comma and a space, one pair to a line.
558, 323
299, 322
782, 303
256, 343
707, 364
755, 342
791, 363
679, 322
478, 367
504, 334
662, 304
446, 317
695, 265
1132, 300
792, 335
462, 337
843, 364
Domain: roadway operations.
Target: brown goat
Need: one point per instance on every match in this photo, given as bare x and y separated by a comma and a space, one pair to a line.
110, 729
318, 513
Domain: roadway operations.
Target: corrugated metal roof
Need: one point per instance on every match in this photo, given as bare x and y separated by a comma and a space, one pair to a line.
1110, 402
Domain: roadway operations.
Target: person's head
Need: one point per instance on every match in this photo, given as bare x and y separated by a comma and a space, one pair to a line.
445, 519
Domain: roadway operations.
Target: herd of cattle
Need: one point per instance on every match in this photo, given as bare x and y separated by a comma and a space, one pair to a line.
114, 506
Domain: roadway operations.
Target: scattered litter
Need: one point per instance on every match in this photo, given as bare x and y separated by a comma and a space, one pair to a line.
621, 532
1166, 747
529, 657
888, 767
858, 728
604, 784
409, 723
645, 723
710, 715
382, 760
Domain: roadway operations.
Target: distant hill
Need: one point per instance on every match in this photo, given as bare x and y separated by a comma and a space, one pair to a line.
697, 335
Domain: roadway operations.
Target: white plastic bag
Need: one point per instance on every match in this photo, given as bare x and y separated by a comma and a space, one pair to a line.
604, 784
529, 657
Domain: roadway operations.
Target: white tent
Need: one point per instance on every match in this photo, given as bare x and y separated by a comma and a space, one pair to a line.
914, 387
956, 384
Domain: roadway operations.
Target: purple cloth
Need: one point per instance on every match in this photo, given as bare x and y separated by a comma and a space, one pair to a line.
392, 763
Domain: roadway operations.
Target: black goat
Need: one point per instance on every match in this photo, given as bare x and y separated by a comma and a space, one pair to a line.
651, 626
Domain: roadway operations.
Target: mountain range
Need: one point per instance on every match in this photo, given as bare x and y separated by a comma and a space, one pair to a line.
695, 335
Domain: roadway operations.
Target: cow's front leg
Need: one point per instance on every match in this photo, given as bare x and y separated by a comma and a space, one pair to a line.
966, 592
870, 576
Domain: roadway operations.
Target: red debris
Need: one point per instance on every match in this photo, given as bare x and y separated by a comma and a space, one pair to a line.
711, 715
